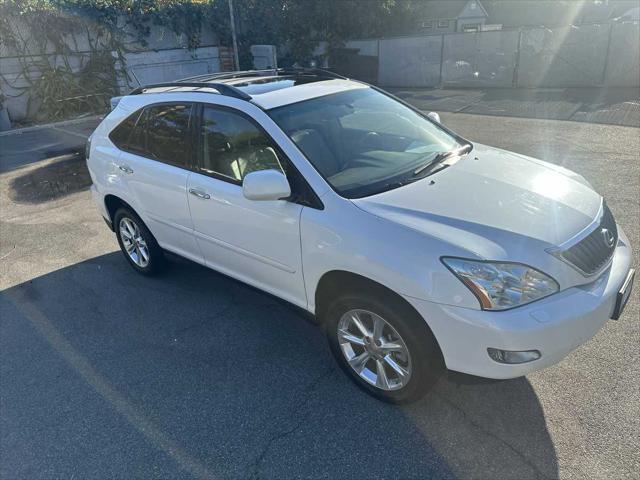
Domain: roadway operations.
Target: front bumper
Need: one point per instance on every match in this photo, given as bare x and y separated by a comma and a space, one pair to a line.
554, 326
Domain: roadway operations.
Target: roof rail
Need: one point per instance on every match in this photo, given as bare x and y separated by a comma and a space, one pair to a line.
207, 77
223, 89
209, 80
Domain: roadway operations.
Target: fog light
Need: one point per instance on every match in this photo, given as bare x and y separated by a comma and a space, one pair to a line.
506, 356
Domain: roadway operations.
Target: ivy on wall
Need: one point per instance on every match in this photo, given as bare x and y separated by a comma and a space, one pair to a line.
61, 78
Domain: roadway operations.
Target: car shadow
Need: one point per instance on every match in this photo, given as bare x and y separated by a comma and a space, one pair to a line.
193, 373
53, 180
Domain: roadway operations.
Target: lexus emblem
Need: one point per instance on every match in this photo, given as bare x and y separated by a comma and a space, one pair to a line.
609, 238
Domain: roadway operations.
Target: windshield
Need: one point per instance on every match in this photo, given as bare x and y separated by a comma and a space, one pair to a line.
362, 141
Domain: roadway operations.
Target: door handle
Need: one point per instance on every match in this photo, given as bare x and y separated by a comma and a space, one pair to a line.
199, 193
125, 169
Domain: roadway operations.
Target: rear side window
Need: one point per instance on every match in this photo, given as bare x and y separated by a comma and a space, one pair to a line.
159, 132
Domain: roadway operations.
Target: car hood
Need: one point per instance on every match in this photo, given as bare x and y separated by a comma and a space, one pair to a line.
492, 195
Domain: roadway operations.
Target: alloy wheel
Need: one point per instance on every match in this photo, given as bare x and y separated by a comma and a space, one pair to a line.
374, 349
133, 243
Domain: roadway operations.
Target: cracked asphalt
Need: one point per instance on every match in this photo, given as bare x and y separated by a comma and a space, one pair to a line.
107, 374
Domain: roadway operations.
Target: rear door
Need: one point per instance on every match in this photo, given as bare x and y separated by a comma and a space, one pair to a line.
257, 242
155, 164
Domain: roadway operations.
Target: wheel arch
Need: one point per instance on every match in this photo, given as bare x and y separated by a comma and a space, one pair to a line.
338, 282
112, 203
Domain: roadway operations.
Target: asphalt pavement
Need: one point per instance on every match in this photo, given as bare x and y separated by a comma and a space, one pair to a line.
24, 146
108, 374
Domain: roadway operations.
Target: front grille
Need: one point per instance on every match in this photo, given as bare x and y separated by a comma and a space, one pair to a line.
594, 251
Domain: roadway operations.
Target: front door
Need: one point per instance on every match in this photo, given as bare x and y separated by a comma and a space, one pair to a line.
257, 242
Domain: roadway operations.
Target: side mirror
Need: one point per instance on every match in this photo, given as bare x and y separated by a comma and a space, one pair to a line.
265, 185
434, 116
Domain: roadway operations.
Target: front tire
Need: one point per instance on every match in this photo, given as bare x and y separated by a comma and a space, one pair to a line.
384, 346
138, 245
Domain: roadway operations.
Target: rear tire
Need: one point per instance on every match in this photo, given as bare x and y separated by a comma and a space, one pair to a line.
397, 361
138, 245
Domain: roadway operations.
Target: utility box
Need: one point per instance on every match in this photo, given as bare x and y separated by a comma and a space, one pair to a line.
264, 57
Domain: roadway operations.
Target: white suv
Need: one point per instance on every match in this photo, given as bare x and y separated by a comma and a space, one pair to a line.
415, 249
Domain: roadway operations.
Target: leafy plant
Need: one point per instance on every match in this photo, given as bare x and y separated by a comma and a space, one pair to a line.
62, 78
58, 78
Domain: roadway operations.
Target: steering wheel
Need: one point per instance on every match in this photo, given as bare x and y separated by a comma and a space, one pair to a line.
370, 139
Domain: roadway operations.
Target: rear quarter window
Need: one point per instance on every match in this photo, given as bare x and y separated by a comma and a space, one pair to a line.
120, 135
159, 132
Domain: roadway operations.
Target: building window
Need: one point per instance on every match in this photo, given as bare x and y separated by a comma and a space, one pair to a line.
471, 27
443, 23
428, 24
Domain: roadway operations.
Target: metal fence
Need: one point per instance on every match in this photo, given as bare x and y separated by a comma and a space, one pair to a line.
573, 56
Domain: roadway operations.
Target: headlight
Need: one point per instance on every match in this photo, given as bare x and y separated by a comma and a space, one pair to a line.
502, 285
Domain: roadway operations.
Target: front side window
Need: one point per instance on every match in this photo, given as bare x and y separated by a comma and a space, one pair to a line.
362, 141
232, 146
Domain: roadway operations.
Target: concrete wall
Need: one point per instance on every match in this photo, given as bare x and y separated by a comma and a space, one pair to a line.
410, 62
563, 57
142, 67
13, 81
623, 61
164, 58
153, 67
480, 59
574, 56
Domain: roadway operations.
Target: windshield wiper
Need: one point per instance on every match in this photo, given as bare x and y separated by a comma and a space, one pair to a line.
407, 181
428, 168
440, 157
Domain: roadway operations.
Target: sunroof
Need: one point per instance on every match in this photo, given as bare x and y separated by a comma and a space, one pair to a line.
257, 86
